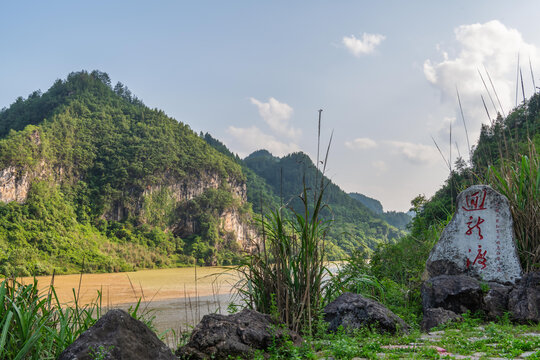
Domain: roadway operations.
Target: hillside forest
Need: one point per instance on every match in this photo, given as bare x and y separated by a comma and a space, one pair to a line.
94, 180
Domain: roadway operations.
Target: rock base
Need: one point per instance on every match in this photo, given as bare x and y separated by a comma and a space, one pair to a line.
445, 295
117, 336
234, 336
353, 311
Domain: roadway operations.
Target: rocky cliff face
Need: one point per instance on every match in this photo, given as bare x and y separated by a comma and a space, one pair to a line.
246, 235
184, 190
15, 184
187, 189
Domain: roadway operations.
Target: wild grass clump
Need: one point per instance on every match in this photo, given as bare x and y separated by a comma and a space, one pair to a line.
35, 325
519, 181
284, 275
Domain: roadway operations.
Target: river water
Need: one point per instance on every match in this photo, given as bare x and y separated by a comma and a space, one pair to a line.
177, 298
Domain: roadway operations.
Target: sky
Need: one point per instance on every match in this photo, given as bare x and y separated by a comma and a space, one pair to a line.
255, 73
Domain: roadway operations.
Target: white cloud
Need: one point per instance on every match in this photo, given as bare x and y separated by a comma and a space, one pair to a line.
277, 116
250, 139
363, 46
361, 143
417, 154
491, 45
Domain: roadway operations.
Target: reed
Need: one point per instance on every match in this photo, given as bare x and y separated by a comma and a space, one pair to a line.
519, 181
284, 275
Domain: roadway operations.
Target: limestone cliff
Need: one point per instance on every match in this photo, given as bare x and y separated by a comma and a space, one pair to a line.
15, 184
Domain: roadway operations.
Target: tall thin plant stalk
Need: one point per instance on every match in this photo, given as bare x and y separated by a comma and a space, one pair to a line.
519, 181
284, 275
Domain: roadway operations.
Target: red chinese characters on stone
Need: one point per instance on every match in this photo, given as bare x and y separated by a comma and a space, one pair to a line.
480, 258
472, 224
475, 201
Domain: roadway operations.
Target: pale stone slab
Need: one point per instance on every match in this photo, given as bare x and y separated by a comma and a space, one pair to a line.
479, 240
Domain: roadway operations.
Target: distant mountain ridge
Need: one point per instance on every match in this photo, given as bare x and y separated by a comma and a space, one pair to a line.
395, 218
372, 204
355, 226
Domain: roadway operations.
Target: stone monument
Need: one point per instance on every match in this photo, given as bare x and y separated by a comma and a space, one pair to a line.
479, 240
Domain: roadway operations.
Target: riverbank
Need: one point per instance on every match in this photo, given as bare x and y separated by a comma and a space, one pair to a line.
176, 298
148, 285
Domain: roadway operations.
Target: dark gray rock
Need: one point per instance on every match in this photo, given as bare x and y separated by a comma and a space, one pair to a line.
117, 336
458, 293
438, 316
524, 299
353, 311
238, 335
496, 300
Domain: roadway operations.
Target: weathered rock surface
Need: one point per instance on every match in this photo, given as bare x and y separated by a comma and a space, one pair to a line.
238, 335
475, 267
14, 185
495, 302
524, 299
479, 240
457, 293
353, 311
117, 336
438, 316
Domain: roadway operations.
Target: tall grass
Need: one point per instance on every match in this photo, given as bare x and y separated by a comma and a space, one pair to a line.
284, 275
519, 181
36, 325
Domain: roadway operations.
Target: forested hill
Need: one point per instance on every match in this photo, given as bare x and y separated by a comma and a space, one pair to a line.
280, 180
355, 226
394, 218
89, 174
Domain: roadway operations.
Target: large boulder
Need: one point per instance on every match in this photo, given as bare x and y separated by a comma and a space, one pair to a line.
234, 336
479, 240
457, 293
353, 311
496, 300
117, 336
438, 316
524, 299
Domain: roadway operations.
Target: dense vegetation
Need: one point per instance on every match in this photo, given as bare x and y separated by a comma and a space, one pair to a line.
274, 182
107, 179
354, 226
394, 218
99, 161
507, 158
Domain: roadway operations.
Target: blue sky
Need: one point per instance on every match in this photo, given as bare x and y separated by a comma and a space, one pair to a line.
254, 73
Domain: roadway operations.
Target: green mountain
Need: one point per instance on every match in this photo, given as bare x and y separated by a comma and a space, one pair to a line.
394, 218
354, 225
92, 178
372, 204
274, 181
